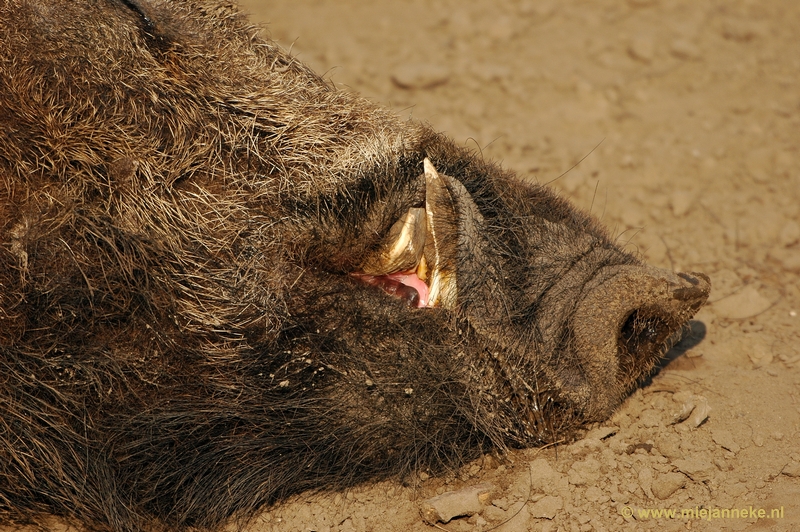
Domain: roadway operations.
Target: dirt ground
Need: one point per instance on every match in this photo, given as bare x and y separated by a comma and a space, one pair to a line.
678, 124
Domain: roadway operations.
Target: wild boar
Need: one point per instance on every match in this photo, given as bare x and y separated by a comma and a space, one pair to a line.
223, 281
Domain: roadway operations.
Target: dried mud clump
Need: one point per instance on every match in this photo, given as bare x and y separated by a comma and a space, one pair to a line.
222, 281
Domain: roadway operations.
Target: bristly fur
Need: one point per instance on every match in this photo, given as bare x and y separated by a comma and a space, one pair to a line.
181, 203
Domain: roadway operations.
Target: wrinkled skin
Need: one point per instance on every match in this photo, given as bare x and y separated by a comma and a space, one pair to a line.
193, 318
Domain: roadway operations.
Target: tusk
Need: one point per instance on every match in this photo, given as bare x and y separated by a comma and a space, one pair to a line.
441, 243
404, 245
423, 244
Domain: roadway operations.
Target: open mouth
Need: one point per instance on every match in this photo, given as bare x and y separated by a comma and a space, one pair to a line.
416, 261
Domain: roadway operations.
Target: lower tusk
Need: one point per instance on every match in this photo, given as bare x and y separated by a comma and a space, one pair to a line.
404, 245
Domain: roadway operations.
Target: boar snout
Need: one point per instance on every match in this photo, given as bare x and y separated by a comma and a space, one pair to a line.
625, 323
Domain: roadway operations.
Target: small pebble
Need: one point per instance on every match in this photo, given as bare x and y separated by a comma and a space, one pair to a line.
546, 507
724, 439
760, 355
467, 501
790, 234
685, 50
667, 484
693, 412
743, 30
758, 163
493, 513
478, 521
697, 468
420, 76
792, 469
502, 503
642, 49
743, 304
681, 201
699, 414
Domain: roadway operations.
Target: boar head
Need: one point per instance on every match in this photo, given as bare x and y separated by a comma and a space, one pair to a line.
559, 323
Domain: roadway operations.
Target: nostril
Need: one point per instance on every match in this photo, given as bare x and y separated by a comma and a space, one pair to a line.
695, 278
699, 289
689, 278
687, 293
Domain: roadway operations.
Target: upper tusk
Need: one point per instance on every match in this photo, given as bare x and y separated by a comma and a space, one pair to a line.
440, 245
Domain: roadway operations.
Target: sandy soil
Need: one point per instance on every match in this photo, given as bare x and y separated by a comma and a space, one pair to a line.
684, 118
